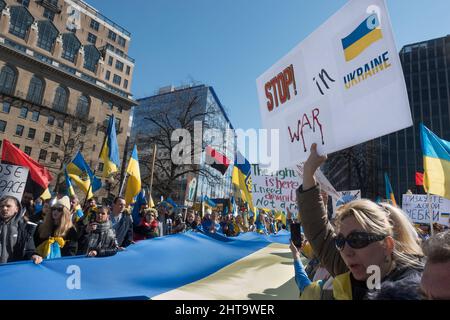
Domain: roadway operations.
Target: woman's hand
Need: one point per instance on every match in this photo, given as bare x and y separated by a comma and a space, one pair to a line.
311, 165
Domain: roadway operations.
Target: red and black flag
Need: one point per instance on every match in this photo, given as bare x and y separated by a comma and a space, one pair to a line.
217, 160
38, 177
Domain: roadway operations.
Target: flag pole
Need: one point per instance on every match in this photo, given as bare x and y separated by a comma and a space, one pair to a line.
151, 174
430, 212
123, 184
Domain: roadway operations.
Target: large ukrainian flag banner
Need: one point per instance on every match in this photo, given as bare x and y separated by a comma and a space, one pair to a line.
436, 163
180, 266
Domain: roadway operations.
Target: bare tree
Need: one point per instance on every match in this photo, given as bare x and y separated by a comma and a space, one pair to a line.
180, 113
63, 140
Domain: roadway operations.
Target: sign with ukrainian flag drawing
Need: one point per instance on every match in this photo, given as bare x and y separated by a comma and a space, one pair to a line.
343, 85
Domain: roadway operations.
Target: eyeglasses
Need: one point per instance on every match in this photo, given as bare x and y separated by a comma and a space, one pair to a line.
357, 240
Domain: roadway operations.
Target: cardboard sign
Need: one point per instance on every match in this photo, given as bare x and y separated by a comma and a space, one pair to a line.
345, 197
416, 207
276, 191
12, 180
341, 86
191, 187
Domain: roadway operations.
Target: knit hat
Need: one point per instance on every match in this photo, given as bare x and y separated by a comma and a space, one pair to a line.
64, 201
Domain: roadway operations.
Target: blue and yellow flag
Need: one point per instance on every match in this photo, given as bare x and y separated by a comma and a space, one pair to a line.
79, 171
436, 163
242, 179
110, 150
69, 186
134, 178
389, 191
140, 201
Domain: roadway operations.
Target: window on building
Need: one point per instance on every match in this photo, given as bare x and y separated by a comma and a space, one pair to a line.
31, 133
49, 14
25, 3
47, 137
91, 57
43, 155
70, 144
121, 41
125, 84
95, 25
19, 130
92, 38
23, 112
20, 21
100, 167
83, 129
74, 127
28, 150
47, 35
60, 123
8, 77
6, 107
50, 120
35, 90
128, 70
110, 106
82, 106
112, 35
117, 79
108, 75
119, 65
71, 45
60, 100
3, 125
57, 141
110, 61
2, 6
35, 116
120, 109
17, 145
120, 52
54, 157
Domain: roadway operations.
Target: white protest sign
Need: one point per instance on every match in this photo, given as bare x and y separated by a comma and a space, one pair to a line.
325, 185
343, 85
416, 207
276, 191
12, 180
345, 197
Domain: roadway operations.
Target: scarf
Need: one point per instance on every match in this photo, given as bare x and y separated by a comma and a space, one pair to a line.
51, 248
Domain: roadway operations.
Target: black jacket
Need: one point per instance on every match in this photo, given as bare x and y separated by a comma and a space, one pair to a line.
124, 230
24, 247
102, 240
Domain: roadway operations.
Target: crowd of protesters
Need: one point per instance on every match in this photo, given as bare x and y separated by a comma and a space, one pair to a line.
337, 253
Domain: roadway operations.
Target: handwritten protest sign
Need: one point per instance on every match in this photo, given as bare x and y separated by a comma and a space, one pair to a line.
343, 85
416, 207
345, 197
12, 180
275, 191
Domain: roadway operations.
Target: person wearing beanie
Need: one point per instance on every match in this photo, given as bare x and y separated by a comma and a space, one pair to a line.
57, 236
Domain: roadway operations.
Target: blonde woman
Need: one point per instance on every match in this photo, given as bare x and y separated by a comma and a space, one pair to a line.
56, 236
368, 240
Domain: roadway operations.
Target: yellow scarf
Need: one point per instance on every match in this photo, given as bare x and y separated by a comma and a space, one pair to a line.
45, 247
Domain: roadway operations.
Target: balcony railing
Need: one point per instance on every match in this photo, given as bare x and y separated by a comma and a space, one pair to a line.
50, 5
102, 17
119, 52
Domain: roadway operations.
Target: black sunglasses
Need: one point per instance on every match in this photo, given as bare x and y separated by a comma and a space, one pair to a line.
357, 240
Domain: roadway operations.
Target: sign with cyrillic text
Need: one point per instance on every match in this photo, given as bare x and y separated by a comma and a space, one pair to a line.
416, 207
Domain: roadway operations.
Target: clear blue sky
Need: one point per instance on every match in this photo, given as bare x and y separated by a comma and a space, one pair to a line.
228, 43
